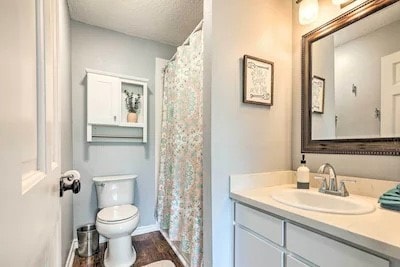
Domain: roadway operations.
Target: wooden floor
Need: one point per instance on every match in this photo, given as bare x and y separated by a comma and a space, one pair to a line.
149, 247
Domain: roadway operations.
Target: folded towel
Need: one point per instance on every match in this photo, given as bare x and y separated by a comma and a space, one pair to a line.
390, 202
392, 192
390, 207
391, 199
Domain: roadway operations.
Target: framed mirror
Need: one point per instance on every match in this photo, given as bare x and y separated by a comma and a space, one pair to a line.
351, 82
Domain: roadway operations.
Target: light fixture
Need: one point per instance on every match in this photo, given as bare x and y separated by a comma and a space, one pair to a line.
343, 3
339, 2
308, 11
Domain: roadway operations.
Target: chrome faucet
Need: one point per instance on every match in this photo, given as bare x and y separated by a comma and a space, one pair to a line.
332, 175
332, 188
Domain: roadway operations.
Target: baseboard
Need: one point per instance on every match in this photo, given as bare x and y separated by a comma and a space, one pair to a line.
146, 229
71, 254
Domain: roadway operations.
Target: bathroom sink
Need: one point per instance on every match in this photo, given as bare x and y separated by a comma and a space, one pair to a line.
316, 201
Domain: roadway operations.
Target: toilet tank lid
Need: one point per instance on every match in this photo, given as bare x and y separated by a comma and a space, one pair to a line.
114, 177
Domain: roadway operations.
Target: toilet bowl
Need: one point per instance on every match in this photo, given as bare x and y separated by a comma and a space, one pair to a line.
117, 224
117, 218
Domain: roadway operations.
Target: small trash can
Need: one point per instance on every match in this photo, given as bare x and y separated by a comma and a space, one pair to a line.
88, 240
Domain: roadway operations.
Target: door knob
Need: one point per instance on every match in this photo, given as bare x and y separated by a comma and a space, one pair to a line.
70, 181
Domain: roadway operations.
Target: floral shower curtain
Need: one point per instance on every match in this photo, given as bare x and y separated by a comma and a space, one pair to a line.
180, 184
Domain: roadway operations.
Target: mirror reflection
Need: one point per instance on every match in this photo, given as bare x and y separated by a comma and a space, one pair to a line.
356, 79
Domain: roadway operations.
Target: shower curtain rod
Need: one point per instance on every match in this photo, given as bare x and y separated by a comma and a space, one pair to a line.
198, 27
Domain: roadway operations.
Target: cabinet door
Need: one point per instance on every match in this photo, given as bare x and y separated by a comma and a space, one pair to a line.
253, 251
327, 252
103, 99
293, 262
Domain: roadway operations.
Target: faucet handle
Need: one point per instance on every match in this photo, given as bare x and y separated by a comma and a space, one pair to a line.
342, 188
324, 184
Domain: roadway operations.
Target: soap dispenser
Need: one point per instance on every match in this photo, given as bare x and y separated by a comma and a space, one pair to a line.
303, 175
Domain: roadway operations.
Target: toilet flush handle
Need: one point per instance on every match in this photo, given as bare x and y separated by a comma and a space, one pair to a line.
102, 184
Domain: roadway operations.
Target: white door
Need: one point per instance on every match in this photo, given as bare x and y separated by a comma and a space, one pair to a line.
29, 135
390, 95
104, 99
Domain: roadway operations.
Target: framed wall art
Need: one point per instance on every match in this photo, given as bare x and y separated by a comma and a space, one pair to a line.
258, 81
318, 94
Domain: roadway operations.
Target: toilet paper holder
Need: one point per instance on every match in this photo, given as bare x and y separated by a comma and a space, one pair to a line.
70, 181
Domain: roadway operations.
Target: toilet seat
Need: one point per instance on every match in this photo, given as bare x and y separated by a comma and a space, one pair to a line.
117, 214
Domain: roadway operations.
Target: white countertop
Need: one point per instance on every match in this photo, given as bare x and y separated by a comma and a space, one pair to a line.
378, 231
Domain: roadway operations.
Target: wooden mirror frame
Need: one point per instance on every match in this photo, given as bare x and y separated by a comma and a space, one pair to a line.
368, 146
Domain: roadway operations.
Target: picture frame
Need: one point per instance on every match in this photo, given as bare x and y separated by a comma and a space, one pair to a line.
258, 81
318, 94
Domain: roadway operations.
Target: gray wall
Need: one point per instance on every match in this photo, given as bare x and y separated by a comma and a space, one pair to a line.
64, 85
242, 138
323, 125
106, 50
379, 167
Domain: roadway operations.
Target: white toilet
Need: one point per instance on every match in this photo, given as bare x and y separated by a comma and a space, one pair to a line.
117, 218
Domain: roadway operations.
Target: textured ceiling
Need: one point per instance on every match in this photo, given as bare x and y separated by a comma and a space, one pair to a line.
166, 21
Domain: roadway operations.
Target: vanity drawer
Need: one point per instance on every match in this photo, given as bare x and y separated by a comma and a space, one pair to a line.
327, 252
259, 222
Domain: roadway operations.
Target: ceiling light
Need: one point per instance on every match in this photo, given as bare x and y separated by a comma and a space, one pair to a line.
308, 11
339, 2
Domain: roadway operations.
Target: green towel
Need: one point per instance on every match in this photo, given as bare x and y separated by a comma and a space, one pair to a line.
392, 192
391, 199
390, 202
390, 207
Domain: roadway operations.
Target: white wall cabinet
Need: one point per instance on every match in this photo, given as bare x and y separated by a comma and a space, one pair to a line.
264, 240
106, 109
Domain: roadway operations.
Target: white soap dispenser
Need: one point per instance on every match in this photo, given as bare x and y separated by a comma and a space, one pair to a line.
303, 175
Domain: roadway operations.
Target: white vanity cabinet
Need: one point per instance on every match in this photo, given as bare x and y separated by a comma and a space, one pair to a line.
258, 237
324, 251
264, 240
106, 109
293, 262
251, 250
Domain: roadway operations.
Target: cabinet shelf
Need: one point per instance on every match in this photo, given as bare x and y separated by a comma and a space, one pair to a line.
132, 124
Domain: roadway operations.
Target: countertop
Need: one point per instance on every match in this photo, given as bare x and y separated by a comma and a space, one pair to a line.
378, 231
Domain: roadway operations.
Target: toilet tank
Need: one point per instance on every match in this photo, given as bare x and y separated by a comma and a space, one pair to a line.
114, 190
